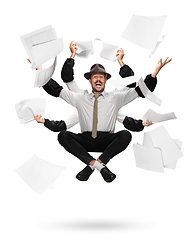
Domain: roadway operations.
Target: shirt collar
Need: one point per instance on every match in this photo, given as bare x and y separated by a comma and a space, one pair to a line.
104, 94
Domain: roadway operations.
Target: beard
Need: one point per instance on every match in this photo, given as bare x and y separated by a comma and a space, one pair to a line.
98, 91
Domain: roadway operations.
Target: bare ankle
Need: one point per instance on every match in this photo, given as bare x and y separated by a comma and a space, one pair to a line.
92, 162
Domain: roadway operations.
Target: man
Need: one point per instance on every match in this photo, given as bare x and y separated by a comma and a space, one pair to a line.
106, 141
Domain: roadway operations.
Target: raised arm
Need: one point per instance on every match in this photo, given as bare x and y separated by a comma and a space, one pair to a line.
67, 72
151, 79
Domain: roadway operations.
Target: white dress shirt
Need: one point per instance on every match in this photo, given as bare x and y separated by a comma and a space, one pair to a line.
73, 119
108, 107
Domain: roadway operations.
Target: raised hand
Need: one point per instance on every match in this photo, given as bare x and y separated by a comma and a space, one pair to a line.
73, 48
159, 65
120, 54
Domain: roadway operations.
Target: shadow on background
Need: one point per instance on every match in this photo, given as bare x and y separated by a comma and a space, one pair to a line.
101, 225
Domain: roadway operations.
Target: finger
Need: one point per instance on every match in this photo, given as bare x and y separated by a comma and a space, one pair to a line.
169, 60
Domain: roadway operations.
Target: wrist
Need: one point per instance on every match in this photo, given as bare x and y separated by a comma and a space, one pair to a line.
121, 62
72, 55
154, 74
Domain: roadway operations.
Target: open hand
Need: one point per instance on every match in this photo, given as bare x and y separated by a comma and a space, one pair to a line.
161, 64
39, 119
147, 123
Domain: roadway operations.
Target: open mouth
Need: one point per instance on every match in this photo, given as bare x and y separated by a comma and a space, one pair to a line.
98, 84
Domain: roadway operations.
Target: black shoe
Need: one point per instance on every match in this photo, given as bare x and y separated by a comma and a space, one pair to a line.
107, 174
84, 174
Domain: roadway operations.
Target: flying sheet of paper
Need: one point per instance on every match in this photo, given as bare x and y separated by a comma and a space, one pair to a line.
123, 82
145, 31
85, 48
148, 158
39, 174
148, 94
174, 164
157, 45
26, 109
162, 140
109, 51
42, 45
147, 153
156, 117
43, 52
44, 75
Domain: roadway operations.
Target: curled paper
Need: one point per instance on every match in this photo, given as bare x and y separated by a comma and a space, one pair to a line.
145, 31
158, 151
109, 51
156, 117
26, 109
148, 94
123, 82
44, 75
42, 45
85, 48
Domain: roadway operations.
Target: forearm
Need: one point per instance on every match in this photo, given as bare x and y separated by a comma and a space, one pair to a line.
67, 73
154, 74
126, 71
120, 61
133, 124
150, 82
53, 88
55, 126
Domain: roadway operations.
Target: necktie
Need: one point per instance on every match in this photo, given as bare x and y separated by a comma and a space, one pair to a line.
95, 118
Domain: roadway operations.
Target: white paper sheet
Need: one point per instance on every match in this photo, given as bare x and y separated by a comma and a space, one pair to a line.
148, 94
42, 45
109, 51
85, 48
39, 174
44, 75
156, 117
46, 51
174, 164
123, 82
148, 158
162, 140
26, 109
145, 31
157, 45
147, 153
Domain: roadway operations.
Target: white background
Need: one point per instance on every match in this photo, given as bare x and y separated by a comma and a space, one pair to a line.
138, 204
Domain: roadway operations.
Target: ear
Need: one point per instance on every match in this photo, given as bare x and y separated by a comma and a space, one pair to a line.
90, 80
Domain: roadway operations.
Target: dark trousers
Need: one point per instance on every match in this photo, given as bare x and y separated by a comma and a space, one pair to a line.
110, 144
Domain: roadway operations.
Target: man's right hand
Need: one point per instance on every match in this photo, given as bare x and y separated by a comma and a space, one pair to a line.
73, 48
